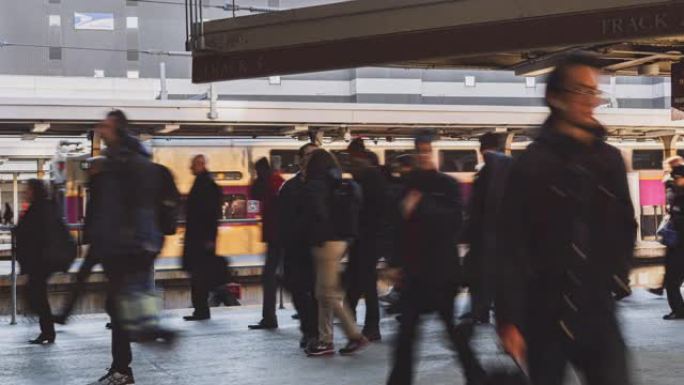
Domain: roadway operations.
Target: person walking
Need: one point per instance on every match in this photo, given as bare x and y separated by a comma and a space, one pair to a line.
32, 247
297, 260
432, 217
361, 273
265, 190
329, 244
566, 241
8, 215
125, 231
674, 257
203, 210
481, 228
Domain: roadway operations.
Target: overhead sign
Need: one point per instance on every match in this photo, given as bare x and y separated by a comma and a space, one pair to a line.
94, 21
677, 97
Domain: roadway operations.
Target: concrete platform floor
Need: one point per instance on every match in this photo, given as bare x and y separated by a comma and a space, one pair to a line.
223, 351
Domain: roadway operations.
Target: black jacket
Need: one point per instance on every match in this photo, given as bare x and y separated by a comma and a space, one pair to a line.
291, 204
318, 214
124, 228
567, 231
203, 210
374, 188
428, 239
31, 237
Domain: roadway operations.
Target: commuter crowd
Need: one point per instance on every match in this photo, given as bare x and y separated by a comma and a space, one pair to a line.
550, 239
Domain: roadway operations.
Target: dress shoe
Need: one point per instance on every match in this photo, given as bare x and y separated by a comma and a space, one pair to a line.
674, 316
43, 339
196, 317
264, 326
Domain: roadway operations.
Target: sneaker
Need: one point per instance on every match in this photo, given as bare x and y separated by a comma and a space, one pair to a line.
115, 378
354, 346
320, 349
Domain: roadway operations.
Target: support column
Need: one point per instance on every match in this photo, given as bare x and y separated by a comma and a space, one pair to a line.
508, 142
41, 171
669, 145
96, 144
15, 192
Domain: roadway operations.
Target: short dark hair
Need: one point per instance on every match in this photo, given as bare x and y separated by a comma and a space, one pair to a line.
425, 138
38, 188
302, 150
557, 79
320, 164
356, 146
489, 141
121, 121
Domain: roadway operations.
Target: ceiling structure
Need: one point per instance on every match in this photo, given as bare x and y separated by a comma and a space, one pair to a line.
631, 37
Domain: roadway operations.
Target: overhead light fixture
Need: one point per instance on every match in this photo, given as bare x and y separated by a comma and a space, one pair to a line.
228, 129
39, 128
169, 128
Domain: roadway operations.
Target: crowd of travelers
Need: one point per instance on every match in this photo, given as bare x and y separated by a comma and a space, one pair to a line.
550, 237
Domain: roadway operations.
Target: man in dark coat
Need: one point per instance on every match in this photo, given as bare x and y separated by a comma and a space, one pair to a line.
432, 212
485, 201
203, 210
124, 230
566, 240
674, 258
361, 274
297, 259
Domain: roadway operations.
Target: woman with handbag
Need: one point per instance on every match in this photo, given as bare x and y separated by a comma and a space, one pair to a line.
31, 247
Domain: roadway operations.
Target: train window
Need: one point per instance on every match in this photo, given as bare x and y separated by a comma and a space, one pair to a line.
234, 206
288, 160
457, 160
647, 159
226, 175
391, 155
343, 158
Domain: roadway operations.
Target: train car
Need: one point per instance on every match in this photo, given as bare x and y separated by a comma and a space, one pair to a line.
231, 163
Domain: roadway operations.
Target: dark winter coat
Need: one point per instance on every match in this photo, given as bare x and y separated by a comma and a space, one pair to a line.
31, 237
318, 220
567, 233
265, 190
124, 228
429, 237
203, 210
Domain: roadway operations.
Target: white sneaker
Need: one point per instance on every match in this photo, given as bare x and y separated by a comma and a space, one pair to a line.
115, 378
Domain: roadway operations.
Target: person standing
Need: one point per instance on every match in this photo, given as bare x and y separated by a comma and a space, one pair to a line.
361, 273
32, 254
203, 210
8, 215
265, 190
297, 260
566, 241
125, 231
485, 202
432, 216
674, 257
329, 244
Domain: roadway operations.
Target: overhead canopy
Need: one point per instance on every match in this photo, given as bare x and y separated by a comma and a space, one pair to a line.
528, 36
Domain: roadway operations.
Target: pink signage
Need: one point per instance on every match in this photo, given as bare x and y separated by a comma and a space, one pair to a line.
651, 192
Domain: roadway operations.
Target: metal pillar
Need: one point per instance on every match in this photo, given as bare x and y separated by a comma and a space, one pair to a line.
164, 93
15, 198
508, 142
41, 172
96, 145
13, 320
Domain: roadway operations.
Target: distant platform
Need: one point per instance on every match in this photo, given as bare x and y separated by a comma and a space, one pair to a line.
223, 351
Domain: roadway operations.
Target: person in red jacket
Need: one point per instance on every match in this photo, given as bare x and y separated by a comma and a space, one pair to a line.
265, 189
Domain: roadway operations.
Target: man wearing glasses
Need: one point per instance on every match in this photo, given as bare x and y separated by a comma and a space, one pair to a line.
568, 233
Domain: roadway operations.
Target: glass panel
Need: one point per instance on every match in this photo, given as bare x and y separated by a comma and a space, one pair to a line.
288, 160
390, 155
457, 160
234, 206
647, 159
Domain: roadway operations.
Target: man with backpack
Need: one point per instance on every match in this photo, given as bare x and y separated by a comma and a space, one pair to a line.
203, 210
125, 232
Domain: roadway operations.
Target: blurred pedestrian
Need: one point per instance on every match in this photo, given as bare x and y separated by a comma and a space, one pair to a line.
431, 210
480, 234
566, 241
203, 211
265, 189
331, 217
8, 215
297, 259
361, 273
32, 233
674, 257
125, 234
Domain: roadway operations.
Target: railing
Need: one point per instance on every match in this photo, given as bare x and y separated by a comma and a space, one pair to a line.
194, 25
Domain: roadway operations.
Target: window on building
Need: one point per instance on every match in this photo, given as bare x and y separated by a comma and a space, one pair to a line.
133, 74
287, 158
55, 20
274, 80
99, 73
457, 160
647, 159
132, 22
530, 82
470, 81
94, 21
55, 53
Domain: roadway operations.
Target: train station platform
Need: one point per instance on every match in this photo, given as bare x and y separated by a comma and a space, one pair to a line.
223, 351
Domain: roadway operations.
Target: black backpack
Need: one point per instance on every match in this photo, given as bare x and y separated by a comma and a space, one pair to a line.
60, 248
169, 202
347, 199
